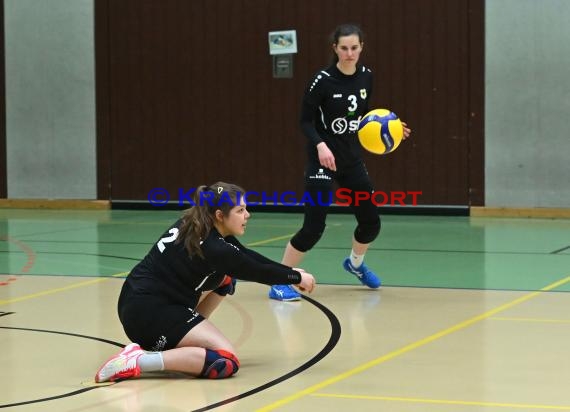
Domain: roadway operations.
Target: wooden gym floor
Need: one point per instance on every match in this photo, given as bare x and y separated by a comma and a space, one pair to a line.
474, 315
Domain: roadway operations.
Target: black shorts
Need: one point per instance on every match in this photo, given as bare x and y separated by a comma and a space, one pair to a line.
354, 177
319, 183
153, 323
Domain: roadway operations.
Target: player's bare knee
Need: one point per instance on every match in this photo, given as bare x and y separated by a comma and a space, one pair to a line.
219, 364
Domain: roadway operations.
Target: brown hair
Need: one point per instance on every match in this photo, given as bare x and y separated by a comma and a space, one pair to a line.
345, 30
197, 222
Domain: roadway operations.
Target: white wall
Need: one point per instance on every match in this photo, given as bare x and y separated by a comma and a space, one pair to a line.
527, 139
50, 99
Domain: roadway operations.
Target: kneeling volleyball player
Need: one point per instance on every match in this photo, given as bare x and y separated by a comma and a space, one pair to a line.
167, 298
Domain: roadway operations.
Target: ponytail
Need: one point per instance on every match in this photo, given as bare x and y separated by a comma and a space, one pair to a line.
198, 221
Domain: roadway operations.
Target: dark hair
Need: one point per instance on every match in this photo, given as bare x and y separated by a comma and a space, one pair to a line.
345, 30
199, 219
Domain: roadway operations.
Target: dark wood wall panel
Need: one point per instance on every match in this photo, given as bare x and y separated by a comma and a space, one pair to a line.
476, 99
185, 93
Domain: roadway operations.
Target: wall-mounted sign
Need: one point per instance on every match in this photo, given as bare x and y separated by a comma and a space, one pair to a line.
283, 42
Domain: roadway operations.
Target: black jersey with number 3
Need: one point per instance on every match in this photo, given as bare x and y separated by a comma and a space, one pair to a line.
333, 105
167, 271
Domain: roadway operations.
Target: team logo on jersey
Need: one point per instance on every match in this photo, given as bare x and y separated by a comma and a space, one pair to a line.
337, 95
363, 93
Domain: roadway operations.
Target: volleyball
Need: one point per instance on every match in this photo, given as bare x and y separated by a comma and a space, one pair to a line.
380, 131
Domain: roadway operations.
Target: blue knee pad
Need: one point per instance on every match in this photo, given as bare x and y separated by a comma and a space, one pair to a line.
219, 364
366, 232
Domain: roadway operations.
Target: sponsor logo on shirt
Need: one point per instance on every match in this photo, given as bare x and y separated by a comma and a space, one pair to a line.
320, 175
340, 125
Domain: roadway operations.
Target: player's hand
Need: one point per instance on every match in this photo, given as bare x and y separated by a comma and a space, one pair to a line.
407, 131
326, 157
307, 281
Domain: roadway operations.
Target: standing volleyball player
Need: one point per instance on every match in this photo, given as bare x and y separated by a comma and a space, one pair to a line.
166, 299
334, 101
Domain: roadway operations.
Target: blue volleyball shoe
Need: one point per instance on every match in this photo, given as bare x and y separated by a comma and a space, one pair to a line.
363, 273
284, 293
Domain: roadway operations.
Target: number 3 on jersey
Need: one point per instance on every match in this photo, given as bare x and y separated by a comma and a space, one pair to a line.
167, 239
353, 103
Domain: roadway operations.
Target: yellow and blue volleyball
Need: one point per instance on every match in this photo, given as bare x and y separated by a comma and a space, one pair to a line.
380, 131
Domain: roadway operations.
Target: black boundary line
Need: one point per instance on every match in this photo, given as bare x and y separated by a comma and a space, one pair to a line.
560, 250
51, 398
87, 242
76, 253
96, 275
331, 344
5, 313
496, 252
136, 259
23, 235
423, 210
463, 288
490, 252
77, 392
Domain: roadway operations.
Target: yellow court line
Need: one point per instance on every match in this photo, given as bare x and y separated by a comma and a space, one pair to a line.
443, 401
273, 239
51, 291
62, 289
410, 347
531, 320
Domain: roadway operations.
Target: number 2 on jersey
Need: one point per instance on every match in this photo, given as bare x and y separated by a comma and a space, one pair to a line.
167, 239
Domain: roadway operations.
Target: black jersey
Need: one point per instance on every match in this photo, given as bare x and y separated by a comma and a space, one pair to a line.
168, 272
333, 105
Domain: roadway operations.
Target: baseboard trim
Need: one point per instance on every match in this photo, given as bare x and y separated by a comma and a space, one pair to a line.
54, 204
435, 210
529, 212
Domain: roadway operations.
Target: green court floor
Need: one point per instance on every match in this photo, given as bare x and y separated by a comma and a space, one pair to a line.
419, 251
